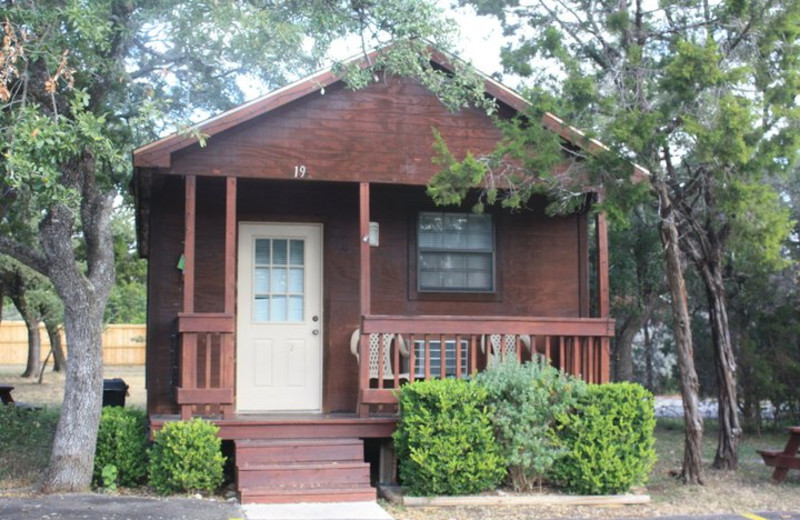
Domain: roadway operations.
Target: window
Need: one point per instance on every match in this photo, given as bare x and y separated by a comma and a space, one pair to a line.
455, 252
278, 280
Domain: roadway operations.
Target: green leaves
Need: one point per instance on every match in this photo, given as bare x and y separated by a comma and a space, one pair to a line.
122, 445
186, 457
444, 439
609, 440
525, 401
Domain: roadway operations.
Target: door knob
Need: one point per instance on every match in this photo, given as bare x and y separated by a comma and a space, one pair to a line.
315, 332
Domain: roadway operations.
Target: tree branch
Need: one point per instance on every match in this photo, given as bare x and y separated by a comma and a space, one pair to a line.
23, 254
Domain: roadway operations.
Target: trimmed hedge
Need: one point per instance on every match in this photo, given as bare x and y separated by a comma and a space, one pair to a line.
608, 440
121, 443
186, 457
444, 439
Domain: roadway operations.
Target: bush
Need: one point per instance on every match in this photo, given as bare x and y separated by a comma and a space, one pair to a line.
186, 457
525, 401
121, 443
609, 440
444, 439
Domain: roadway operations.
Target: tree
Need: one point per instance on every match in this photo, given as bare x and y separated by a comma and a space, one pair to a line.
636, 277
701, 94
127, 302
82, 83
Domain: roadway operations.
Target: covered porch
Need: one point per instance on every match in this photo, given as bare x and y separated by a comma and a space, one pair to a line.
411, 347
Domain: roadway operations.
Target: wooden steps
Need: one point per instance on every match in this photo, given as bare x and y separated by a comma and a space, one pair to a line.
302, 470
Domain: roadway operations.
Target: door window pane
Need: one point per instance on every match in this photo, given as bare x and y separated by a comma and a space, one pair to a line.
295, 308
278, 308
262, 251
279, 252
261, 309
296, 252
261, 282
279, 281
295, 280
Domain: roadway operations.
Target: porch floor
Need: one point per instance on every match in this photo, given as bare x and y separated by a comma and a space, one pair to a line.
294, 425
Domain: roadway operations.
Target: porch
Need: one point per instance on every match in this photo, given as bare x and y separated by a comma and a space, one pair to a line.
409, 347
396, 350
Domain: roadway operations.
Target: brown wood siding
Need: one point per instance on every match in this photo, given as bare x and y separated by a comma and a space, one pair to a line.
536, 271
537, 262
382, 133
164, 296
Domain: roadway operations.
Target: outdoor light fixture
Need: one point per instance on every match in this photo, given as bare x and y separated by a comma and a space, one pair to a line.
374, 234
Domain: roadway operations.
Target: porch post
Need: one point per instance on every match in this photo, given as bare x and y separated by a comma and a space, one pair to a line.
364, 294
602, 292
188, 354
227, 340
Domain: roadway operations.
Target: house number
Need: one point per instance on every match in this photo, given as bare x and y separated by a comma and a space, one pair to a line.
300, 171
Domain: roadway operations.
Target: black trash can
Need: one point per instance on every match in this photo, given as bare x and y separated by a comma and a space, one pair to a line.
114, 392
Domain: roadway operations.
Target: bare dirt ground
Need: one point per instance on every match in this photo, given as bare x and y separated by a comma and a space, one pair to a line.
51, 392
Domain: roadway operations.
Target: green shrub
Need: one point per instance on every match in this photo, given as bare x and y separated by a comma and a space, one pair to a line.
186, 457
444, 439
525, 401
609, 440
121, 443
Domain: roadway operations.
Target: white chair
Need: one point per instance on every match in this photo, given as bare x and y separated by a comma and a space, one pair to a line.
496, 342
374, 343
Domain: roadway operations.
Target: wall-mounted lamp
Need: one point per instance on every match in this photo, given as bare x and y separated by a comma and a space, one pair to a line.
374, 234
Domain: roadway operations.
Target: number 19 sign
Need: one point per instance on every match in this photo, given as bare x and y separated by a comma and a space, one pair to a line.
300, 171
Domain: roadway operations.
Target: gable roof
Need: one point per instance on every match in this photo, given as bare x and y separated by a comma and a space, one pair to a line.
158, 153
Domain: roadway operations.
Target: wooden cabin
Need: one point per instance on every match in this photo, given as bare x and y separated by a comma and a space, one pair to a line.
301, 241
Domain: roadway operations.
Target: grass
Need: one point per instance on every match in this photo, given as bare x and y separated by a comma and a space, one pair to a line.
26, 436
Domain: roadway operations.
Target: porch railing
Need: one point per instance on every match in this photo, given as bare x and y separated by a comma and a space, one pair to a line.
405, 349
206, 380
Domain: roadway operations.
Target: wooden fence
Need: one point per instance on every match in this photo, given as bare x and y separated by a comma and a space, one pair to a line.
122, 344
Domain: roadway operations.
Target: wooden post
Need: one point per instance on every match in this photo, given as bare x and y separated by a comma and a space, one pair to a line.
364, 295
188, 244
602, 266
188, 357
226, 341
602, 294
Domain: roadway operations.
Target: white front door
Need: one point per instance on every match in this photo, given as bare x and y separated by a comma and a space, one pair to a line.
279, 321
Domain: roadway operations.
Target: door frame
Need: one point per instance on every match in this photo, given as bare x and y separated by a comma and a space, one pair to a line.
319, 310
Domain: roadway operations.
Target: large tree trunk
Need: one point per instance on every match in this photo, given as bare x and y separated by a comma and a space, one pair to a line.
54, 334
727, 456
84, 297
72, 456
704, 241
691, 472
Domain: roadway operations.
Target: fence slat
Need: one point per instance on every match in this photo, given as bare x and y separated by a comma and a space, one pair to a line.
123, 344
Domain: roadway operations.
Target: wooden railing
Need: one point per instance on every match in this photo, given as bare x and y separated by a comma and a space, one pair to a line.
206, 364
404, 349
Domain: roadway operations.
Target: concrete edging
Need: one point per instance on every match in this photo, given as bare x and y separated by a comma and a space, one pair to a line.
394, 494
